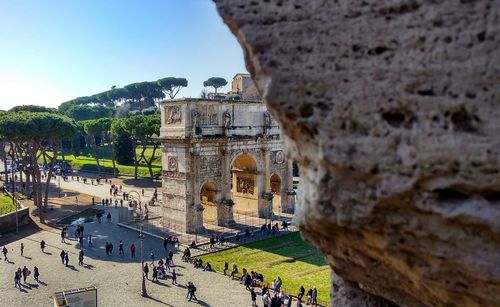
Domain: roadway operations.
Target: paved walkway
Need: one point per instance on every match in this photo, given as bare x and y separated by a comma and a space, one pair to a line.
118, 278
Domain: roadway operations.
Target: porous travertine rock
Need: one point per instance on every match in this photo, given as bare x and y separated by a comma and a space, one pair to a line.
392, 109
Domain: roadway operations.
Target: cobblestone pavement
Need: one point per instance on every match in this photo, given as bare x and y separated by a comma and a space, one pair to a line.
118, 278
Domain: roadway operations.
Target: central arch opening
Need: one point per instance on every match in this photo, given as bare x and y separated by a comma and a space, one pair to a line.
244, 187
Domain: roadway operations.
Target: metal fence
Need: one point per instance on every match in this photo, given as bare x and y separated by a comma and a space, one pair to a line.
158, 224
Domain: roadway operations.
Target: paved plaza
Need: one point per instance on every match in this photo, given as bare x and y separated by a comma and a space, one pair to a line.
118, 278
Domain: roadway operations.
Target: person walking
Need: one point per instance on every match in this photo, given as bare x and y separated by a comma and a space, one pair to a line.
248, 281
146, 270
5, 251
309, 296
25, 273
314, 296
22, 249
174, 277
132, 250
90, 240
42, 246
120, 248
302, 291
36, 274
191, 292
265, 300
109, 217
62, 254
17, 279
234, 271
253, 296
110, 248
66, 258
226, 267
155, 275
80, 257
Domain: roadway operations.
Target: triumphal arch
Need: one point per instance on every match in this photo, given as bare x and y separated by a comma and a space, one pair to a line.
221, 158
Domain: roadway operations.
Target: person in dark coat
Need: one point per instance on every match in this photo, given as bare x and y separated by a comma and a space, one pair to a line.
253, 296
62, 254
146, 270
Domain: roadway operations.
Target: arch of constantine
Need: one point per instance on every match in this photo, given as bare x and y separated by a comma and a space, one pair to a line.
221, 158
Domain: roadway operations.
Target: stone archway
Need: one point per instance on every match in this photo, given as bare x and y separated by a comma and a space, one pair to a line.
244, 184
275, 183
209, 202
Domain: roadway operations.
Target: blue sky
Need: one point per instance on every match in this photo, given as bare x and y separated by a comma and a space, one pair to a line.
52, 51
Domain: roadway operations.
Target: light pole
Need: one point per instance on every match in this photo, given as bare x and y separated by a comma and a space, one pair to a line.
144, 292
14, 197
59, 185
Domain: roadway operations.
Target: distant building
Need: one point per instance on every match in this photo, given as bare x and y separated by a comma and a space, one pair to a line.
244, 86
241, 82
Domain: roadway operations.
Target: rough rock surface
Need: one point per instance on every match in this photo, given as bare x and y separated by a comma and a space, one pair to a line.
392, 108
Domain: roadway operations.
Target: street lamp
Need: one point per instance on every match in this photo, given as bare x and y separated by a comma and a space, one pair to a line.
144, 292
59, 185
14, 197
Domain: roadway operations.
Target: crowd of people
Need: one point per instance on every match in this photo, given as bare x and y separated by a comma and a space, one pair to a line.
275, 298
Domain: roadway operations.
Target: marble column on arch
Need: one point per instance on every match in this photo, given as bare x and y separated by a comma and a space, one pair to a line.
227, 218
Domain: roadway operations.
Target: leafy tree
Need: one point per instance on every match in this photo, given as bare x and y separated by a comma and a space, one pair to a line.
86, 112
171, 86
204, 94
96, 129
32, 135
32, 108
215, 82
143, 129
122, 143
144, 94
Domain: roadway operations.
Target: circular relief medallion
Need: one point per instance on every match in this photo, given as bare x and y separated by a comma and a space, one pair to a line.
280, 157
172, 163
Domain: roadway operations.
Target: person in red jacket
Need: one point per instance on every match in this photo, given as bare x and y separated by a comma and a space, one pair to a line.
132, 250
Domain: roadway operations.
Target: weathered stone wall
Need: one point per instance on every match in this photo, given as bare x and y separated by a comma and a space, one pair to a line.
392, 108
8, 221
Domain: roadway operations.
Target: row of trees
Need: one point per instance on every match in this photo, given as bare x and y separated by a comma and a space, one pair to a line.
132, 99
124, 137
135, 98
32, 135
35, 135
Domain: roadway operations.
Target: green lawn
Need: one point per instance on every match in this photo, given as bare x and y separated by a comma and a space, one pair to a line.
295, 261
86, 162
6, 205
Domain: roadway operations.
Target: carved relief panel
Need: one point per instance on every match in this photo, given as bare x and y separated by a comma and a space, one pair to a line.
173, 115
245, 185
208, 115
210, 166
